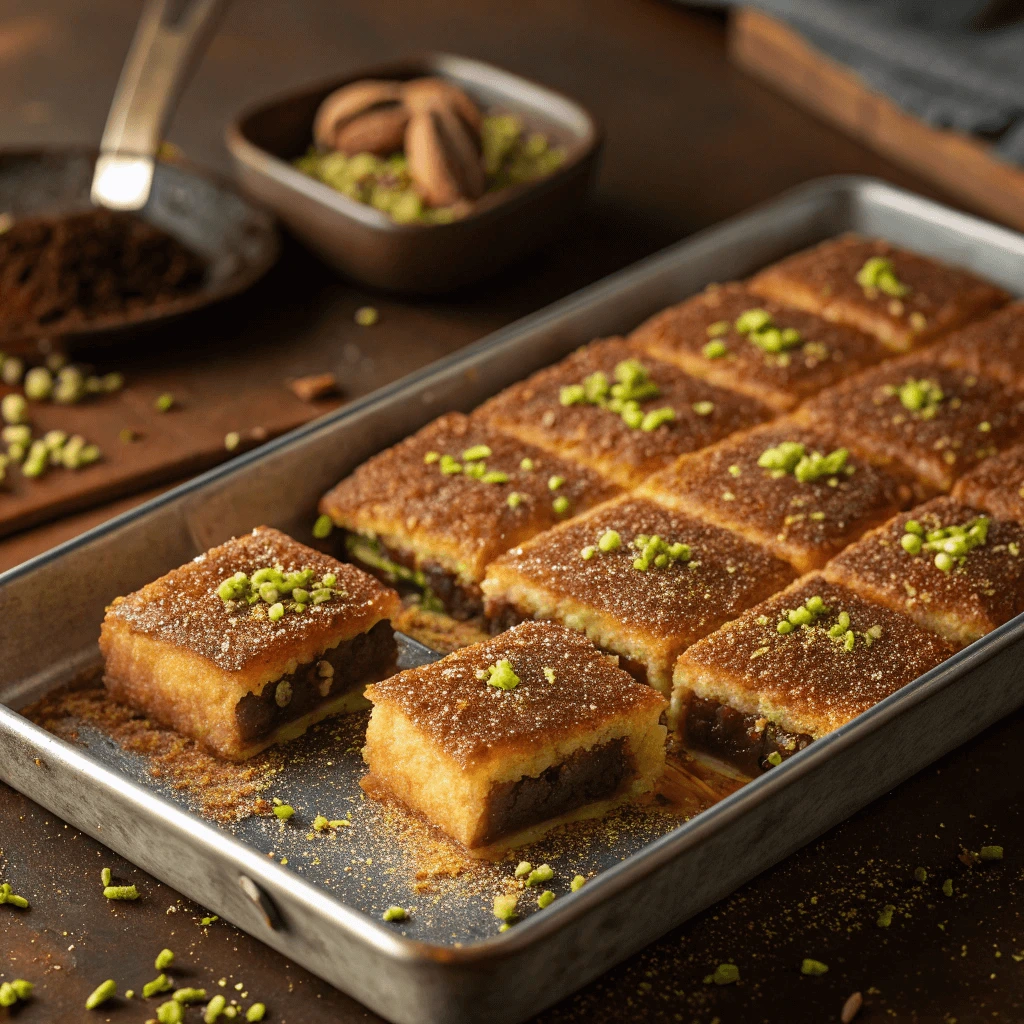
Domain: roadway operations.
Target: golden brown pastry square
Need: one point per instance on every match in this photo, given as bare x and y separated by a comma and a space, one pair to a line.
950, 567
997, 485
992, 347
775, 485
777, 354
935, 422
502, 741
442, 504
900, 297
600, 574
550, 411
792, 669
193, 651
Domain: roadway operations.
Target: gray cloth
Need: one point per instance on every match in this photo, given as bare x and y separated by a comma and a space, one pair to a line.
925, 55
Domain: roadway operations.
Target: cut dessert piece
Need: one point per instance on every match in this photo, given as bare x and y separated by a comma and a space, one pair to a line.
249, 644
640, 580
936, 422
612, 407
731, 337
902, 298
792, 669
500, 742
948, 566
793, 489
993, 347
997, 485
435, 508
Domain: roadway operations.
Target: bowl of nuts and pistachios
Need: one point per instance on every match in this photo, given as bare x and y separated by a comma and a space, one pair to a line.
421, 176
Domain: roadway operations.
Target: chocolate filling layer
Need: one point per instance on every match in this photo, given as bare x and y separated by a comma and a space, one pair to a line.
734, 737
366, 656
460, 601
581, 779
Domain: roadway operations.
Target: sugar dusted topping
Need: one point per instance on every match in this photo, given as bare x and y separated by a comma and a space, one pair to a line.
826, 352
400, 489
727, 484
597, 437
824, 279
993, 346
807, 680
986, 586
687, 599
184, 608
467, 717
997, 485
974, 418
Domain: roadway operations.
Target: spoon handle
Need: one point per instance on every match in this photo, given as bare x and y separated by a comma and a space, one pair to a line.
170, 34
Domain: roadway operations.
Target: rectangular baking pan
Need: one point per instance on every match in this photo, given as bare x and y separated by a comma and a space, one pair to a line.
50, 609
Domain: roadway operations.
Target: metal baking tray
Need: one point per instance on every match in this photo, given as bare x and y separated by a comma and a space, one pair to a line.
448, 963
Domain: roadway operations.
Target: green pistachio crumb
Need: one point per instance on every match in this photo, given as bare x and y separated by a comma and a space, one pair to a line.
775, 759
545, 899
449, 466
101, 994
164, 959
541, 873
609, 541
189, 995
920, 875
554, 482
22, 989
323, 527
588, 552
476, 452
735, 470
121, 892
947, 887
8, 997
170, 1013
505, 907
815, 968
164, 402
715, 349
879, 274
38, 384
514, 500
494, 476
718, 328
725, 974
560, 505
157, 985
284, 811
105, 876
991, 853
232, 439
656, 417
431, 457
523, 868
501, 675
366, 316
13, 409
577, 883
394, 913
704, 408
549, 674
526, 465
214, 1009
255, 1013
884, 919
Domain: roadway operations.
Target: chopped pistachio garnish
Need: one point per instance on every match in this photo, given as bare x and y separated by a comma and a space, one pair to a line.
164, 402
814, 968
323, 527
476, 452
105, 876
394, 913
366, 316
549, 674
885, 916
545, 899
656, 552
121, 892
320, 822
920, 397
232, 439
283, 592
950, 545
716, 349
760, 330
920, 875
656, 417
214, 1009
554, 482
588, 552
284, 811
879, 274
500, 674
541, 873
774, 759
577, 883
101, 994
632, 386
13, 409
449, 466
725, 974
991, 853
431, 457
505, 907
523, 868
189, 995
255, 1013
947, 887
704, 408
806, 614
609, 541
793, 457
38, 384
718, 329
560, 505
156, 986
164, 959
514, 500
170, 1013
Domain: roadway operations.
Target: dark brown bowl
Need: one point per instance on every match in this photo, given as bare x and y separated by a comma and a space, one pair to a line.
364, 243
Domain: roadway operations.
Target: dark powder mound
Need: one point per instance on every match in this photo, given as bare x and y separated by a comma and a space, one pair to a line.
61, 273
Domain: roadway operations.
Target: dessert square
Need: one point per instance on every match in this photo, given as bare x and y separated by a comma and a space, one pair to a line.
902, 298
436, 508
949, 566
935, 422
640, 580
793, 489
502, 741
250, 643
777, 354
792, 669
997, 485
993, 347
612, 407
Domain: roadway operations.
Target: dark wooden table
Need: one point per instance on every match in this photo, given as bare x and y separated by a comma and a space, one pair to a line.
690, 141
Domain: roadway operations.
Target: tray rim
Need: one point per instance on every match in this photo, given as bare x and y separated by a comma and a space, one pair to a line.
360, 926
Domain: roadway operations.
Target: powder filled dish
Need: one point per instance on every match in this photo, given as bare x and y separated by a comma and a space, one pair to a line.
249, 644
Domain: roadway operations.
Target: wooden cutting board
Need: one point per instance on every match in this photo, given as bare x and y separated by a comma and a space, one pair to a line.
963, 165
170, 445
